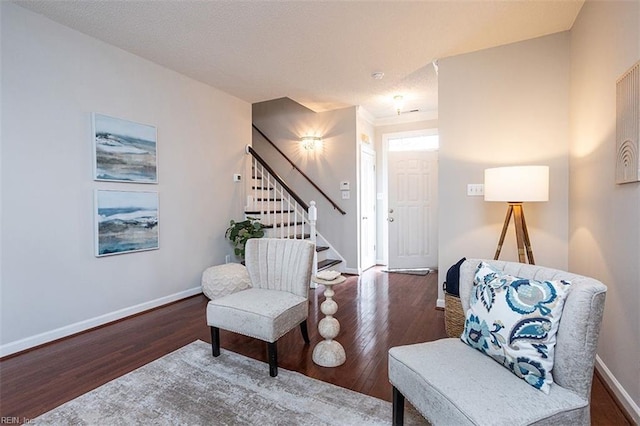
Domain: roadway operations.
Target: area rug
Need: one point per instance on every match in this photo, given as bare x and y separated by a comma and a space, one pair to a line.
190, 387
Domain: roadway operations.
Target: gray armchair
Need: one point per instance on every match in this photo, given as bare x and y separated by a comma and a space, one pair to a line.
451, 383
276, 301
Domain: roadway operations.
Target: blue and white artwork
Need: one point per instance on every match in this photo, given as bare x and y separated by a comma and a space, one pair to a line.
124, 151
126, 221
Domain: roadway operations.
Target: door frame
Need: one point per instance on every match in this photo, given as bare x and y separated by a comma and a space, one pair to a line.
366, 150
383, 212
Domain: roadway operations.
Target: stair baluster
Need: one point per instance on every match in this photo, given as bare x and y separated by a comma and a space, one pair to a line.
282, 213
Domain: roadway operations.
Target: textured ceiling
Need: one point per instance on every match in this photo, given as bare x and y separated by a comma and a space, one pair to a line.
321, 54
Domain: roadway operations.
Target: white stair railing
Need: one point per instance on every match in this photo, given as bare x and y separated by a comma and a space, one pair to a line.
277, 209
283, 213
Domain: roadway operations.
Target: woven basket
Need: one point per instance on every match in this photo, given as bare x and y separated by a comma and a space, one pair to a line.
453, 315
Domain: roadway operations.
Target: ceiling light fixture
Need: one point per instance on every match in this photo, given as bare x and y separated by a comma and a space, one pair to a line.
398, 103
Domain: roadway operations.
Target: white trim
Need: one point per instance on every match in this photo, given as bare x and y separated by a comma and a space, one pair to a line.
366, 150
68, 330
427, 131
365, 115
620, 393
440, 303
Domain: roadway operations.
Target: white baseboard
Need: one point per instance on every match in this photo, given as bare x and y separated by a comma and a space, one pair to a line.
68, 330
351, 271
440, 303
621, 394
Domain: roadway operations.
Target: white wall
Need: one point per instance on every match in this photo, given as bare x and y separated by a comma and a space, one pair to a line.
605, 217
52, 79
503, 106
285, 121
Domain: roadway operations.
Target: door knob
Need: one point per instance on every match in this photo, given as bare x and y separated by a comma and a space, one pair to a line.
390, 219
390, 210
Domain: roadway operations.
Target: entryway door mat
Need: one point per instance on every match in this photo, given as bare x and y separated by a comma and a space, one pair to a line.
410, 271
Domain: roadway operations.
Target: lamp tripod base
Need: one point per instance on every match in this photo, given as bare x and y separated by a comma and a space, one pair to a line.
522, 235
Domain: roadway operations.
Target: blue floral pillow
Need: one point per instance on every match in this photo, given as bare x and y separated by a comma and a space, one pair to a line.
515, 321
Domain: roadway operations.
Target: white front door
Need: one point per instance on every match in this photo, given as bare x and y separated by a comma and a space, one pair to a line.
367, 209
412, 209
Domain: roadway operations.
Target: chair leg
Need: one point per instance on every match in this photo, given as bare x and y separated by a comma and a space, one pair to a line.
305, 333
398, 408
273, 358
215, 341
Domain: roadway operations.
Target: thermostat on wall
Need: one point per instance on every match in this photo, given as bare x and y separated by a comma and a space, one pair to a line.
344, 185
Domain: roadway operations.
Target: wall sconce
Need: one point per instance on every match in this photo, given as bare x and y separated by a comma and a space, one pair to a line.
310, 143
398, 103
514, 185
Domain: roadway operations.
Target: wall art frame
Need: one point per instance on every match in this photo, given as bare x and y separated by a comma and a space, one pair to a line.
123, 150
628, 126
126, 221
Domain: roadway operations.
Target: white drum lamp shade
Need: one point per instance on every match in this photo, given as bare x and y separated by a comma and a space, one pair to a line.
517, 184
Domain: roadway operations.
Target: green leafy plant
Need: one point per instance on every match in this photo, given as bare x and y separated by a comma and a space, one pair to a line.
239, 232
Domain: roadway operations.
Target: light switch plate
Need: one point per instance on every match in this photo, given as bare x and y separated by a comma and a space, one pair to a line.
346, 195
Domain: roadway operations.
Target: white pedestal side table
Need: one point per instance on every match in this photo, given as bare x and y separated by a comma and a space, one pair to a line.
329, 353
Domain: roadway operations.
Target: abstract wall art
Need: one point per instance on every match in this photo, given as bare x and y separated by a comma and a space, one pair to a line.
628, 126
125, 221
124, 151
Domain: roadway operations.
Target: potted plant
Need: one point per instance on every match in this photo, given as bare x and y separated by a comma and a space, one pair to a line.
239, 232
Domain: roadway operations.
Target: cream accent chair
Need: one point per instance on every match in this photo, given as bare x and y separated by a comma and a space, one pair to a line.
276, 302
450, 383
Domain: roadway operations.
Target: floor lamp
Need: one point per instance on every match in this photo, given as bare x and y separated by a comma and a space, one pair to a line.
515, 185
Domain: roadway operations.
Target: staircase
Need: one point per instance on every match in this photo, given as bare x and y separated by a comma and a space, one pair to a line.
284, 214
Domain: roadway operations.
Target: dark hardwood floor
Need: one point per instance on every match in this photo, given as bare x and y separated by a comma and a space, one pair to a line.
376, 311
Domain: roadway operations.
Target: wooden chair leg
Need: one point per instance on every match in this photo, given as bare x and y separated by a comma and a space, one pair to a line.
305, 332
273, 358
215, 341
398, 408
